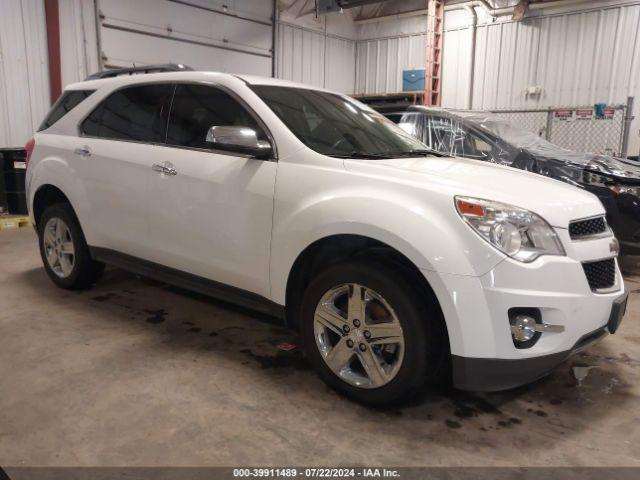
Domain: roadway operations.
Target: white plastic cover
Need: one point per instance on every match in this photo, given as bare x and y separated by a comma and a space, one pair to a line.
490, 137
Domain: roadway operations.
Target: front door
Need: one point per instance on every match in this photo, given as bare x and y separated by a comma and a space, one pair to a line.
211, 211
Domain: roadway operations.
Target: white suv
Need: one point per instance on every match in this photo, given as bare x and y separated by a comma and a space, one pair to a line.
398, 267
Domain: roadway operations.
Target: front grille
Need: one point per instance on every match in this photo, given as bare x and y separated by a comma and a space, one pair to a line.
601, 274
586, 228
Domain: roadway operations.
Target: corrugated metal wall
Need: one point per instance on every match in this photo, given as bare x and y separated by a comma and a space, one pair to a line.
78, 43
315, 58
24, 78
314, 50
577, 58
380, 62
382, 55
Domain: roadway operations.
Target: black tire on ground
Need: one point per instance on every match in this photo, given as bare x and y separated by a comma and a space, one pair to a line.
421, 323
85, 271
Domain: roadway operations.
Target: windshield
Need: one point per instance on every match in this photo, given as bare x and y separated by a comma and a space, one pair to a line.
513, 135
337, 125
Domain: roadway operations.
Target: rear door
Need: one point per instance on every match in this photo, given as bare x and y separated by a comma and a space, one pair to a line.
212, 215
120, 142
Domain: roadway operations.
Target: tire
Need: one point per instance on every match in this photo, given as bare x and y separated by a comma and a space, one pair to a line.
422, 345
70, 266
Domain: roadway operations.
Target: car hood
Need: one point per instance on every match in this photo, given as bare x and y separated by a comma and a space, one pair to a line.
557, 202
617, 169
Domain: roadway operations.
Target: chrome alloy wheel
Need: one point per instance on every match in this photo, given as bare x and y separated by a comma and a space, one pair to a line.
58, 247
359, 335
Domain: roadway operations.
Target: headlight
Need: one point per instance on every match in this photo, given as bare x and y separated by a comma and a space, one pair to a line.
519, 233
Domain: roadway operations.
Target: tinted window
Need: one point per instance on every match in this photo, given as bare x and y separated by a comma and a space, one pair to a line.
337, 125
136, 113
394, 117
197, 108
67, 102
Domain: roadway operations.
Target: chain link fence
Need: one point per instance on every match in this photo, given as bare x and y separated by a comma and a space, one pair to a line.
582, 129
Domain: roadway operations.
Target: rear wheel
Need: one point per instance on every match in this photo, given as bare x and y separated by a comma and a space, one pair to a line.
368, 333
64, 251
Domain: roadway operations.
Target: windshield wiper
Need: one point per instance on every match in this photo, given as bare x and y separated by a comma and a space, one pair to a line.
423, 151
363, 155
387, 155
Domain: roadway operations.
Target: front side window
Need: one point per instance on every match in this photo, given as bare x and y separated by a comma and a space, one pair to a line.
336, 125
197, 108
415, 125
448, 135
67, 102
136, 113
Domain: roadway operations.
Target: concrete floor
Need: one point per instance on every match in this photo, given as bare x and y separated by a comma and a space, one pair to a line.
138, 373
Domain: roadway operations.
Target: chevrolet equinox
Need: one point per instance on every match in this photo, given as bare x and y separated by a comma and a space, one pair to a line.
397, 266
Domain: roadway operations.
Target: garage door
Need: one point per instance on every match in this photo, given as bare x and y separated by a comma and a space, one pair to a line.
228, 36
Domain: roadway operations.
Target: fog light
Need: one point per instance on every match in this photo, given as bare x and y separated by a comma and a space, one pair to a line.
525, 323
523, 328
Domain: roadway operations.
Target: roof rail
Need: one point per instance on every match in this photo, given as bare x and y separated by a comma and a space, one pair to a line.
167, 67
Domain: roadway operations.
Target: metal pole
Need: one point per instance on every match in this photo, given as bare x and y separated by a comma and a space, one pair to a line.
324, 53
472, 55
52, 19
274, 37
96, 8
547, 132
628, 118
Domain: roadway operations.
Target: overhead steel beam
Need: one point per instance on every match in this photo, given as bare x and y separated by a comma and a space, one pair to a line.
483, 4
357, 3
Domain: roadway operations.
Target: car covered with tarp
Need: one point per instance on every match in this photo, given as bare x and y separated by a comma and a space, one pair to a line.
489, 137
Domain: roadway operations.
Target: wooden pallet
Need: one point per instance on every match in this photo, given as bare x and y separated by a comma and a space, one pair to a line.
14, 221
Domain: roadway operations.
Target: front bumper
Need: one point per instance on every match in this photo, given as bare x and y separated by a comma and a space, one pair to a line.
494, 374
476, 313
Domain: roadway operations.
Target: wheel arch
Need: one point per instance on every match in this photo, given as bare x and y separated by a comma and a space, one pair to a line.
336, 248
45, 196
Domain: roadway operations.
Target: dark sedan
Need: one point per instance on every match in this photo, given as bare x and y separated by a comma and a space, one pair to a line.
484, 136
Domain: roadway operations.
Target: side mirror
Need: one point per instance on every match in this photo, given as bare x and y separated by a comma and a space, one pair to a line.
238, 139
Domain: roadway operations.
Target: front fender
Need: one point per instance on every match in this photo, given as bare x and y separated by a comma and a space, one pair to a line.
429, 234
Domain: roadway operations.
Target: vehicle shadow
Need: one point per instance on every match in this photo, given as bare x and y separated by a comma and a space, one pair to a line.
567, 402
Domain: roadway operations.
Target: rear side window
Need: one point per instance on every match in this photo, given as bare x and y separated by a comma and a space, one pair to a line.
197, 108
136, 114
67, 102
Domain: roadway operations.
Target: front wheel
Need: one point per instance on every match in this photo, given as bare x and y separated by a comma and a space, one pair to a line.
368, 333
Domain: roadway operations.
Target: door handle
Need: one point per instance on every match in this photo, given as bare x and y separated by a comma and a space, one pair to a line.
83, 152
167, 169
